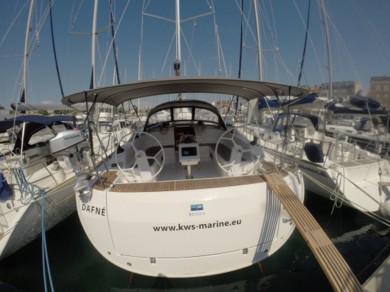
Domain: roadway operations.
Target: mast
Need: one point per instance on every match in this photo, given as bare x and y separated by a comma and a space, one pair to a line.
255, 113
176, 64
140, 51
327, 41
23, 97
259, 53
91, 111
93, 73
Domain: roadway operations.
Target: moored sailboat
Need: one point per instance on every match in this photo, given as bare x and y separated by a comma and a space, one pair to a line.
184, 197
332, 168
34, 183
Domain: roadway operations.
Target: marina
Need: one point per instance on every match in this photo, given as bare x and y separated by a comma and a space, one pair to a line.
143, 172
192, 181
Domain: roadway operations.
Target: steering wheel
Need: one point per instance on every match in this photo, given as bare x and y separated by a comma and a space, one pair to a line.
242, 160
141, 159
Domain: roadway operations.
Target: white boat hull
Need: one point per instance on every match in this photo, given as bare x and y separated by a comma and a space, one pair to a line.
363, 185
22, 223
348, 185
188, 233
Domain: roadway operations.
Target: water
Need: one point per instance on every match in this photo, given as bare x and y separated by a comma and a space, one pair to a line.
76, 265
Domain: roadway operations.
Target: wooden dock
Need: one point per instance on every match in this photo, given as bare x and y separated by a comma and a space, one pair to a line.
332, 263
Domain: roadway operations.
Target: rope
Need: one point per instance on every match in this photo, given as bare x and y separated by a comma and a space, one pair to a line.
336, 196
26, 189
45, 256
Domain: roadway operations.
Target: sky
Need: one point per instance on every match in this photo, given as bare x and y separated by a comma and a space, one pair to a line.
359, 43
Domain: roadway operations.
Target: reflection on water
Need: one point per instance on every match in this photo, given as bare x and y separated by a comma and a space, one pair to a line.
352, 235
77, 266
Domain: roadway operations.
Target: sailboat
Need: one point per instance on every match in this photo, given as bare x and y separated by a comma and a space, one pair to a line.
35, 184
332, 167
185, 196
367, 126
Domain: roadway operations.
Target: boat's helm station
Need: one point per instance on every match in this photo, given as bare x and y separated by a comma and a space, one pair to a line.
245, 158
189, 154
141, 156
136, 162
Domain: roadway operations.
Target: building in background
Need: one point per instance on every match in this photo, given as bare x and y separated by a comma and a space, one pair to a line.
380, 89
341, 90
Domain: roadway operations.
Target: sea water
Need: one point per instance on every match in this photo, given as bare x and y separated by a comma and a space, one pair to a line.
75, 265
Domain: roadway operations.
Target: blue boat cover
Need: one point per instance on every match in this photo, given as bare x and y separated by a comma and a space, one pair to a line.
38, 119
5, 189
315, 120
274, 103
364, 102
331, 106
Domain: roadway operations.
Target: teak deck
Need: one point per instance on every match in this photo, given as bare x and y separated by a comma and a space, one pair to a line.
190, 184
332, 263
107, 179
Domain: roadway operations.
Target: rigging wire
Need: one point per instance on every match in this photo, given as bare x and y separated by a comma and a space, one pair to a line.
240, 55
74, 14
12, 24
54, 47
112, 44
344, 47
241, 7
316, 56
377, 38
241, 41
112, 22
305, 43
220, 54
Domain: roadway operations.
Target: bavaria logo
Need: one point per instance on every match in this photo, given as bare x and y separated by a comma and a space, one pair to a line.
197, 207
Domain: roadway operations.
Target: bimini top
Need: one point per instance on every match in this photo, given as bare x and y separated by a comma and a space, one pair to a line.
248, 89
38, 119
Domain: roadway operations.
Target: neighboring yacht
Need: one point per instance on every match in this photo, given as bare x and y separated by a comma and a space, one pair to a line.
332, 168
361, 121
185, 197
34, 183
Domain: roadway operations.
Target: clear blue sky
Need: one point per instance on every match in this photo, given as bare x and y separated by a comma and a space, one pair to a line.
359, 32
